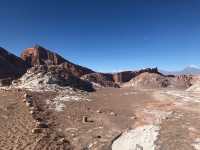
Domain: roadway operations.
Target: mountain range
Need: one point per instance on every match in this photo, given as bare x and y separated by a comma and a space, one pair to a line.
189, 70
40, 60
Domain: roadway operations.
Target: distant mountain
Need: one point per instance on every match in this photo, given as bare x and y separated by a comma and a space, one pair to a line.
190, 70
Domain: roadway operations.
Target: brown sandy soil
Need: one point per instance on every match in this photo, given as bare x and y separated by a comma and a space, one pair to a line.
109, 113
16, 126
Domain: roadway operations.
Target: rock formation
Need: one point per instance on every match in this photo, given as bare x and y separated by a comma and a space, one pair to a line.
102, 79
126, 76
122, 77
58, 70
51, 77
156, 80
11, 65
40, 56
148, 80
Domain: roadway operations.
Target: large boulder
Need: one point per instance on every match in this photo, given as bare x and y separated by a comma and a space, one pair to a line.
42, 56
11, 66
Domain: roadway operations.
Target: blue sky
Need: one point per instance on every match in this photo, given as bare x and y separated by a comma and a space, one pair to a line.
106, 35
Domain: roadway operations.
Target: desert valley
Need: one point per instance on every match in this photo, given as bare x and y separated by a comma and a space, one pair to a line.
50, 103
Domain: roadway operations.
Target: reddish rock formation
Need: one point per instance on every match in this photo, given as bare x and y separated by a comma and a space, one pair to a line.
126, 76
122, 77
104, 80
11, 65
40, 56
150, 80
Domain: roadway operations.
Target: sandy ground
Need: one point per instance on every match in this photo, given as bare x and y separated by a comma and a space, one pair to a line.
117, 119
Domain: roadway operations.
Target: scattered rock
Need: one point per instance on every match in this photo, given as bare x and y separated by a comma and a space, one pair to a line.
32, 112
133, 117
29, 104
98, 137
85, 119
62, 140
113, 114
36, 130
99, 111
138, 147
41, 125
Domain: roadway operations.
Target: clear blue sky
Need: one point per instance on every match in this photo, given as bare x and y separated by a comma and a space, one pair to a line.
106, 35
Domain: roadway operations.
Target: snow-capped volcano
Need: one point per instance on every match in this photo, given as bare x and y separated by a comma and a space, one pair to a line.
191, 69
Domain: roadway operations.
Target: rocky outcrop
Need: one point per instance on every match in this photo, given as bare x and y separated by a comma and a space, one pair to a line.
101, 79
116, 79
51, 77
41, 56
11, 66
126, 76
148, 80
122, 77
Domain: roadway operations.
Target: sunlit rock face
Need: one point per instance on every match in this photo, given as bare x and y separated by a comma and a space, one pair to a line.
42, 56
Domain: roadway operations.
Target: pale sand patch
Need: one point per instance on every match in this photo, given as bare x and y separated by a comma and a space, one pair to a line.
142, 137
139, 138
58, 103
196, 144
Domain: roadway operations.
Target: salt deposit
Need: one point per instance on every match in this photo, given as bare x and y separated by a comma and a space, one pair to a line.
142, 137
63, 96
183, 97
40, 82
196, 144
35, 82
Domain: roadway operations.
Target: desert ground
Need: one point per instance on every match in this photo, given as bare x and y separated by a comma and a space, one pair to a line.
108, 119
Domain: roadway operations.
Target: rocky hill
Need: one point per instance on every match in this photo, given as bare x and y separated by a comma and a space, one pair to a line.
40, 56
100, 80
11, 65
125, 76
52, 77
148, 80
53, 66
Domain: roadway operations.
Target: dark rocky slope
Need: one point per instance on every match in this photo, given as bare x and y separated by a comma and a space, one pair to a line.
11, 66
